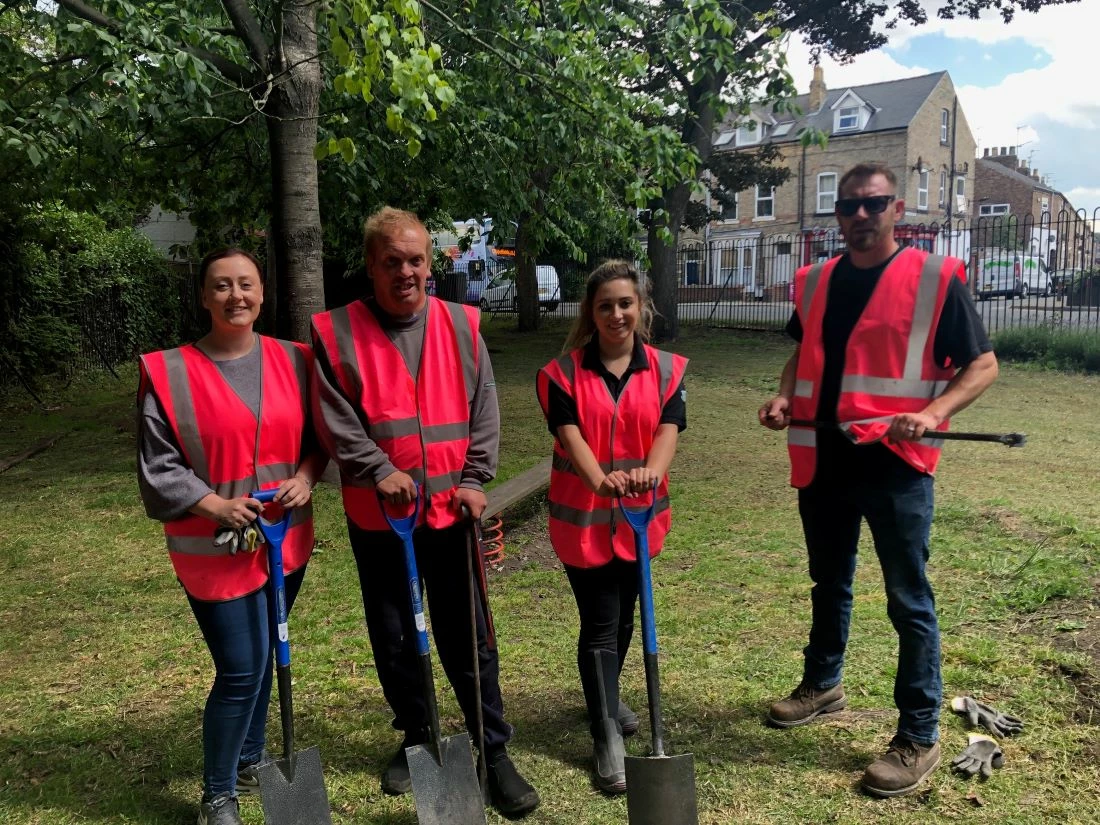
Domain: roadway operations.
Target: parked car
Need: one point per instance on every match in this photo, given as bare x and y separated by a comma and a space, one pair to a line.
499, 294
1014, 276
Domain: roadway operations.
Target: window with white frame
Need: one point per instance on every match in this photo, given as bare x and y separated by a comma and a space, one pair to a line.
922, 189
748, 133
765, 201
729, 213
960, 186
945, 123
943, 189
724, 137
1044, 205
990, 209
826, 191
847, 118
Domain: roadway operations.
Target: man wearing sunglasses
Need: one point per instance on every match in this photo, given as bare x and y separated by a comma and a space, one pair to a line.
889, 347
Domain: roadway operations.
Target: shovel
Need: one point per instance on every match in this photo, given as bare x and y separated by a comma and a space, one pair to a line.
444, 780
292, 789
660, 789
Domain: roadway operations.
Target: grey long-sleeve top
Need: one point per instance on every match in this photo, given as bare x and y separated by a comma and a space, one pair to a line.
169, 487
342, 427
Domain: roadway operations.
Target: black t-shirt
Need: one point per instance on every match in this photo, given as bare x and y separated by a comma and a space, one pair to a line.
960, 338
563, 409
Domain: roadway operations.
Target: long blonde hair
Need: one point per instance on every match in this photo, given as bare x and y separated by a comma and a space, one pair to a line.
584, 327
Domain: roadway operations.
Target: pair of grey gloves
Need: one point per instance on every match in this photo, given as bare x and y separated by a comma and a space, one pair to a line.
246, 539
983, 754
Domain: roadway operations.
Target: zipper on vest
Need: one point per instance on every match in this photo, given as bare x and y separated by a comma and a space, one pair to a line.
420, 426
611, 446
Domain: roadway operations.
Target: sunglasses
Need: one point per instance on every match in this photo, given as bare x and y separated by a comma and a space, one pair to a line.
874, 205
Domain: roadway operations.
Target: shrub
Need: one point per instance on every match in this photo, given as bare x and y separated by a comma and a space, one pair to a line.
68, 283
1050, 347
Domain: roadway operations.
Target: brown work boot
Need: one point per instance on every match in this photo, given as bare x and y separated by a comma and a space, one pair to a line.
805, 704
905, 765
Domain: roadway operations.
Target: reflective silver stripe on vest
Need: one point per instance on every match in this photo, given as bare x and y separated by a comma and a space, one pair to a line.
923, 313
467, 348
564, 465
801, 437
438, 483
345, 350
397, 428
204, 545
911, 384
593, 518
892, 387
298, 362
804, 388
280, 471
664, 365
179, 386
567, 367
813, 278
441, 433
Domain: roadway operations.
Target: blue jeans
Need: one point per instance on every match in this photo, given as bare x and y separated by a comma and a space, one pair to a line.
898, 508
238, 633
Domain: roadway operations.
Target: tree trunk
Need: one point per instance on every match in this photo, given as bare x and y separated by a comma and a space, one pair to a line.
527, 287
292, 112
664, 278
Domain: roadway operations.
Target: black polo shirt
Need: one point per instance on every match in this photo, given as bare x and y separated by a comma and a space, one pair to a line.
960, 338
563, 409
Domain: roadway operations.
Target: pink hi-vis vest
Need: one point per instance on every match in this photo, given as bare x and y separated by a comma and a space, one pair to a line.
421, 424
233, 453
889, 366
586, 529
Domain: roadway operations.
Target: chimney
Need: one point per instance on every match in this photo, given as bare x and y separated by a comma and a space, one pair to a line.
1035, 174
817, 90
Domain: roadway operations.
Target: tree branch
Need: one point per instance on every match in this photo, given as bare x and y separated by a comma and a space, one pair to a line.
248, 29
230, 70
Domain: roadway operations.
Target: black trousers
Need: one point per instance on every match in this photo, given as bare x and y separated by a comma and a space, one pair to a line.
445, 583
605, 596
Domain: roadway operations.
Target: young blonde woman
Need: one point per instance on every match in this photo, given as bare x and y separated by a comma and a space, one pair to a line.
616, 407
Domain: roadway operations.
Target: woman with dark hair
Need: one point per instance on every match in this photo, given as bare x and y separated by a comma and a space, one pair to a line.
219, 418
615, 406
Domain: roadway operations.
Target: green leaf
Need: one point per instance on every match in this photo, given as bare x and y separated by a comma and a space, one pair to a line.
347, 149
414, 147
35, 156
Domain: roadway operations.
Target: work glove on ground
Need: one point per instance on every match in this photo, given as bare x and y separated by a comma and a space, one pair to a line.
232, 539
982, 755
977, 713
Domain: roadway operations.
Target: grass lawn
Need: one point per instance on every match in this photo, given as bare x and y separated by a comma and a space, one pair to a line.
105, 673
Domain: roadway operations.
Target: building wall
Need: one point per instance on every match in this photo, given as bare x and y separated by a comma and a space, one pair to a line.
927, 150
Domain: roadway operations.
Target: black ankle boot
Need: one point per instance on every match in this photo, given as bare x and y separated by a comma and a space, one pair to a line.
509, 792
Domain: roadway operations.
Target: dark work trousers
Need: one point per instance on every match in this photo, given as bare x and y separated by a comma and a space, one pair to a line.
898, 508
239, 634
605, 600
445, 583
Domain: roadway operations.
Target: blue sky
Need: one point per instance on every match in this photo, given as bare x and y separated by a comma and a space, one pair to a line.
1030, 83
971, 62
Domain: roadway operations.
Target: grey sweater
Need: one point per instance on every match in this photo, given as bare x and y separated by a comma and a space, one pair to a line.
168, 485
342, 426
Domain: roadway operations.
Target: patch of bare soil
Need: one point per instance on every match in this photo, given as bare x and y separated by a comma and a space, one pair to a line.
525, 542
1085, 640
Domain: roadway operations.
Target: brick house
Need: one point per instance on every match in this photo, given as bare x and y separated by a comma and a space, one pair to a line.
914, 125
1013, 197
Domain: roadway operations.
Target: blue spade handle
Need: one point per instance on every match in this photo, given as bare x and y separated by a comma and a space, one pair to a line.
404, 527
639, 522
274, 532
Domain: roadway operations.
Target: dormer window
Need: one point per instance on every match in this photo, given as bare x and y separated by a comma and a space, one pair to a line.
851, 112
847, 118
748, 133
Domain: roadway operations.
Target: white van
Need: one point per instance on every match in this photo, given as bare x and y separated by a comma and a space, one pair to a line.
1012, 275
500, 293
